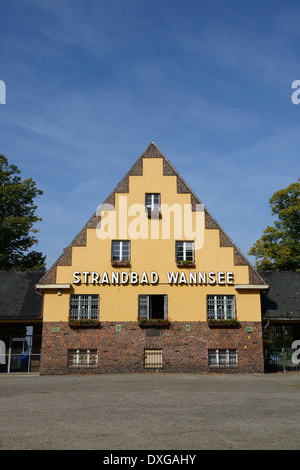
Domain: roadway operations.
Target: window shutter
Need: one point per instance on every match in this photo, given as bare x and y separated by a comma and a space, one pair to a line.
165, 307
143, 307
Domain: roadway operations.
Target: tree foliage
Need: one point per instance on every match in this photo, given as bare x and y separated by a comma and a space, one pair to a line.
278, 249
17, 219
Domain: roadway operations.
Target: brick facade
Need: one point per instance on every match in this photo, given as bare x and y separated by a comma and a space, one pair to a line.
123, 351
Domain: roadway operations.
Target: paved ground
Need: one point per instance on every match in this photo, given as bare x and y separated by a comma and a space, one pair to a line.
155, 411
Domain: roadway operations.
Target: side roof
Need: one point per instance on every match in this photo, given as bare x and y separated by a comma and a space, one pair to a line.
283, 298
18, 298
152, 151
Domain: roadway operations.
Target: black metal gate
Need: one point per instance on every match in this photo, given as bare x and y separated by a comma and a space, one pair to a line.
280, 349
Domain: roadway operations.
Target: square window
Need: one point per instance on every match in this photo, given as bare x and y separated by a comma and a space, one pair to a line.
84, 307
120, 250
221, 307
153, 307
82, 358
152, 202
222, 358
153, 358
185, 251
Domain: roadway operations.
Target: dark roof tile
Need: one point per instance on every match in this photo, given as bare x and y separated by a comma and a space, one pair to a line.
283, 298
18, 298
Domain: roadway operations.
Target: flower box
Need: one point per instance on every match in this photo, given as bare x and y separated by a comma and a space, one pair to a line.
125, 264
185, 264
84, 323
157, 323
232, 323
122, 263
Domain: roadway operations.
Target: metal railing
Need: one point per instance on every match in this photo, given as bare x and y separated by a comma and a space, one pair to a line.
280, 360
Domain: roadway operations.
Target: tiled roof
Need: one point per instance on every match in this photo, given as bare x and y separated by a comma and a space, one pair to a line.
18, 298
283, 298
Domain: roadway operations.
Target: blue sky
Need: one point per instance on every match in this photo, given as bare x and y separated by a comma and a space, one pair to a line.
89, 84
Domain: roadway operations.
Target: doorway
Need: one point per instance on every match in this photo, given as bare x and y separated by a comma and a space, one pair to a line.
20, 352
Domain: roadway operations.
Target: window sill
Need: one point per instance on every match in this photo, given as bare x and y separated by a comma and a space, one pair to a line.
185, 264
84, 324
125, 264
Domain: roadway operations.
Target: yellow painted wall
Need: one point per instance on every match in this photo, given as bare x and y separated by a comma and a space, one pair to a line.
120, 303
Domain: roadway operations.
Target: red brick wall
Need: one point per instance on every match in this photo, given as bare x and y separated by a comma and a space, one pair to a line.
124, 351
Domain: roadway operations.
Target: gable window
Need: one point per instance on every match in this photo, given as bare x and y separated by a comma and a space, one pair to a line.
185, 251
152, 203
84, 307
221, 307
121, 250
222, 358
82, 357
153, 307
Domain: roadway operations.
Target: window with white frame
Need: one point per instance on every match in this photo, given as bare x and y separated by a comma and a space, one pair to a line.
153, 202
222, 358
120, 250
185, 251
82, 357
221, 307
153, 307
84, 306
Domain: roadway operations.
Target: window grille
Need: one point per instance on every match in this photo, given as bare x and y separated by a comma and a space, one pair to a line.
82, 357
185, 251
221, 307
84, 307
121, 250
222, 358
153, 358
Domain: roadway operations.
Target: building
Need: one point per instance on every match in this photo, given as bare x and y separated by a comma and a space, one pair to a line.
20, 322
281, 320
152, 283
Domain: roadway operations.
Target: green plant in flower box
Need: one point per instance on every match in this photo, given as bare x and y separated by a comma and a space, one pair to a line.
83, 322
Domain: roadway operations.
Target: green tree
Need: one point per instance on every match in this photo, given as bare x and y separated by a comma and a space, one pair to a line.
17, 218
278, 249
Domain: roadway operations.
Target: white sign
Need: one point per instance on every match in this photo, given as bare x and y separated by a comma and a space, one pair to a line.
132, 277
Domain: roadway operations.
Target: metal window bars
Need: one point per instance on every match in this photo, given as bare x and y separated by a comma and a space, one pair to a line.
221, 307
153, 359
82, 358
84, 307
222, 358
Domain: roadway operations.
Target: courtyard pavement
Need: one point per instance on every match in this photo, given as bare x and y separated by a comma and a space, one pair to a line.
150, 411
